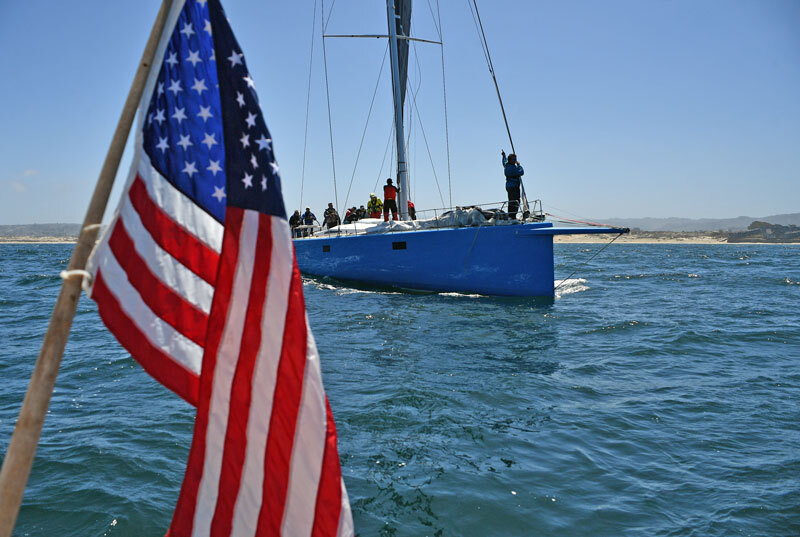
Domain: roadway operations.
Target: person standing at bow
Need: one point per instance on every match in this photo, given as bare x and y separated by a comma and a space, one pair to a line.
513, 172
374, 207
389, 200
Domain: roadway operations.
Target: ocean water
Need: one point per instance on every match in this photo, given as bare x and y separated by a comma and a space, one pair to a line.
658, 395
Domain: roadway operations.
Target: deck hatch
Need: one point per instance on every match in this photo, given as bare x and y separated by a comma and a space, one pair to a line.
326, 247
399, 245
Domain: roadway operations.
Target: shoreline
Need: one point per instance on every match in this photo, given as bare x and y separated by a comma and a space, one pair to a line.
558, 239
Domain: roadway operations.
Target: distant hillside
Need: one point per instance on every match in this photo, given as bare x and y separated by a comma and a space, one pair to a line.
40, 230
702, 224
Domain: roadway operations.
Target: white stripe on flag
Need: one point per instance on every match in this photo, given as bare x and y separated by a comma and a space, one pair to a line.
180, 279
179, 207
273, 321
184, 351
309, 442
346, 528
227, 356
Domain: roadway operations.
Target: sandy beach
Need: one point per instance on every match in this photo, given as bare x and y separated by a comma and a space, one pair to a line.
631, 238
38, 240
638, 239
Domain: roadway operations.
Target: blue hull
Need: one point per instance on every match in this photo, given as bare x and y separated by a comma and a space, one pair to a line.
491, 260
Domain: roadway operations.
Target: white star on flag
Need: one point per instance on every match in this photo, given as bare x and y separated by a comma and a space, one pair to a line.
187, 30
185, 142
199, 86
194, 57
205, 113
214, 167
175, 86
159, 116
251, 119
264, 142
179, 115
254, 161
263, 183
219, 193
208, 27
275, 167
235, 59
162, 144
247, 180
245, 140
160, 90
209, 140
189, 168
249, 81
172, 59
240, 99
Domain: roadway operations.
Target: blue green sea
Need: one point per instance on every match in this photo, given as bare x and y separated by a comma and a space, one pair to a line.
657, 395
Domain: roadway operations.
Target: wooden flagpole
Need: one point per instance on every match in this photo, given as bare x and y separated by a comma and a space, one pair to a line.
22, 448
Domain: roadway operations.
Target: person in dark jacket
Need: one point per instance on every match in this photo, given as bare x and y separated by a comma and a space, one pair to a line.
513, 172
389, 200
412, 211
361, 212
331, 217
350, 216
294, 221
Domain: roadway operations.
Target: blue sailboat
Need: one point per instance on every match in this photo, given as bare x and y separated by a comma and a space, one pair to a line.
463, 250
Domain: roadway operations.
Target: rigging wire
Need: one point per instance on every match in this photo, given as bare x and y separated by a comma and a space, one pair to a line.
385, 152
308, 101
330, 12
489, 63
444, 95
364, 133
585, 262
328, 97
425, 138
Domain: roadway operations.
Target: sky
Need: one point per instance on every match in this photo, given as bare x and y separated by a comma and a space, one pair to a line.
621, 108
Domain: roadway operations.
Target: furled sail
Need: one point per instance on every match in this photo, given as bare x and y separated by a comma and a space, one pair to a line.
402, 9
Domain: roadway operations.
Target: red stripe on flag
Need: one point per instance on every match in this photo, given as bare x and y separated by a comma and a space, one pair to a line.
288, 391
241, 387
329, 494
160, 365
171, 236
163, 301
183, 518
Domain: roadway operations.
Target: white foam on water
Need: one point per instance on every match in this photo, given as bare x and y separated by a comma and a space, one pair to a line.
461, 295
569, 286
342, 290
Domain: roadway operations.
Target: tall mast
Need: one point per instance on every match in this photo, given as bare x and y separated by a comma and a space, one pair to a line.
402, 174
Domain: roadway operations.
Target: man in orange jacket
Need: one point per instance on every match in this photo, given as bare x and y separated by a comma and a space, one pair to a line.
389, 200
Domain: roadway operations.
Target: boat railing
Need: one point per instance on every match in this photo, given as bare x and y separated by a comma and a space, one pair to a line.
494, 213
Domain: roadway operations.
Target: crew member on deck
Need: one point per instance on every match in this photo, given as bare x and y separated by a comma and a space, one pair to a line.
331, 217
350, 216
374, 207
361, 212
514, 173
307, 219
294, 221
412, 212
389, 200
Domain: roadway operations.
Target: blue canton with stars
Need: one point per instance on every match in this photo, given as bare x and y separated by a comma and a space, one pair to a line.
204, 130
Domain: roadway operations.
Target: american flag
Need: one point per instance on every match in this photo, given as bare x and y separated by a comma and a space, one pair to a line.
197, 279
